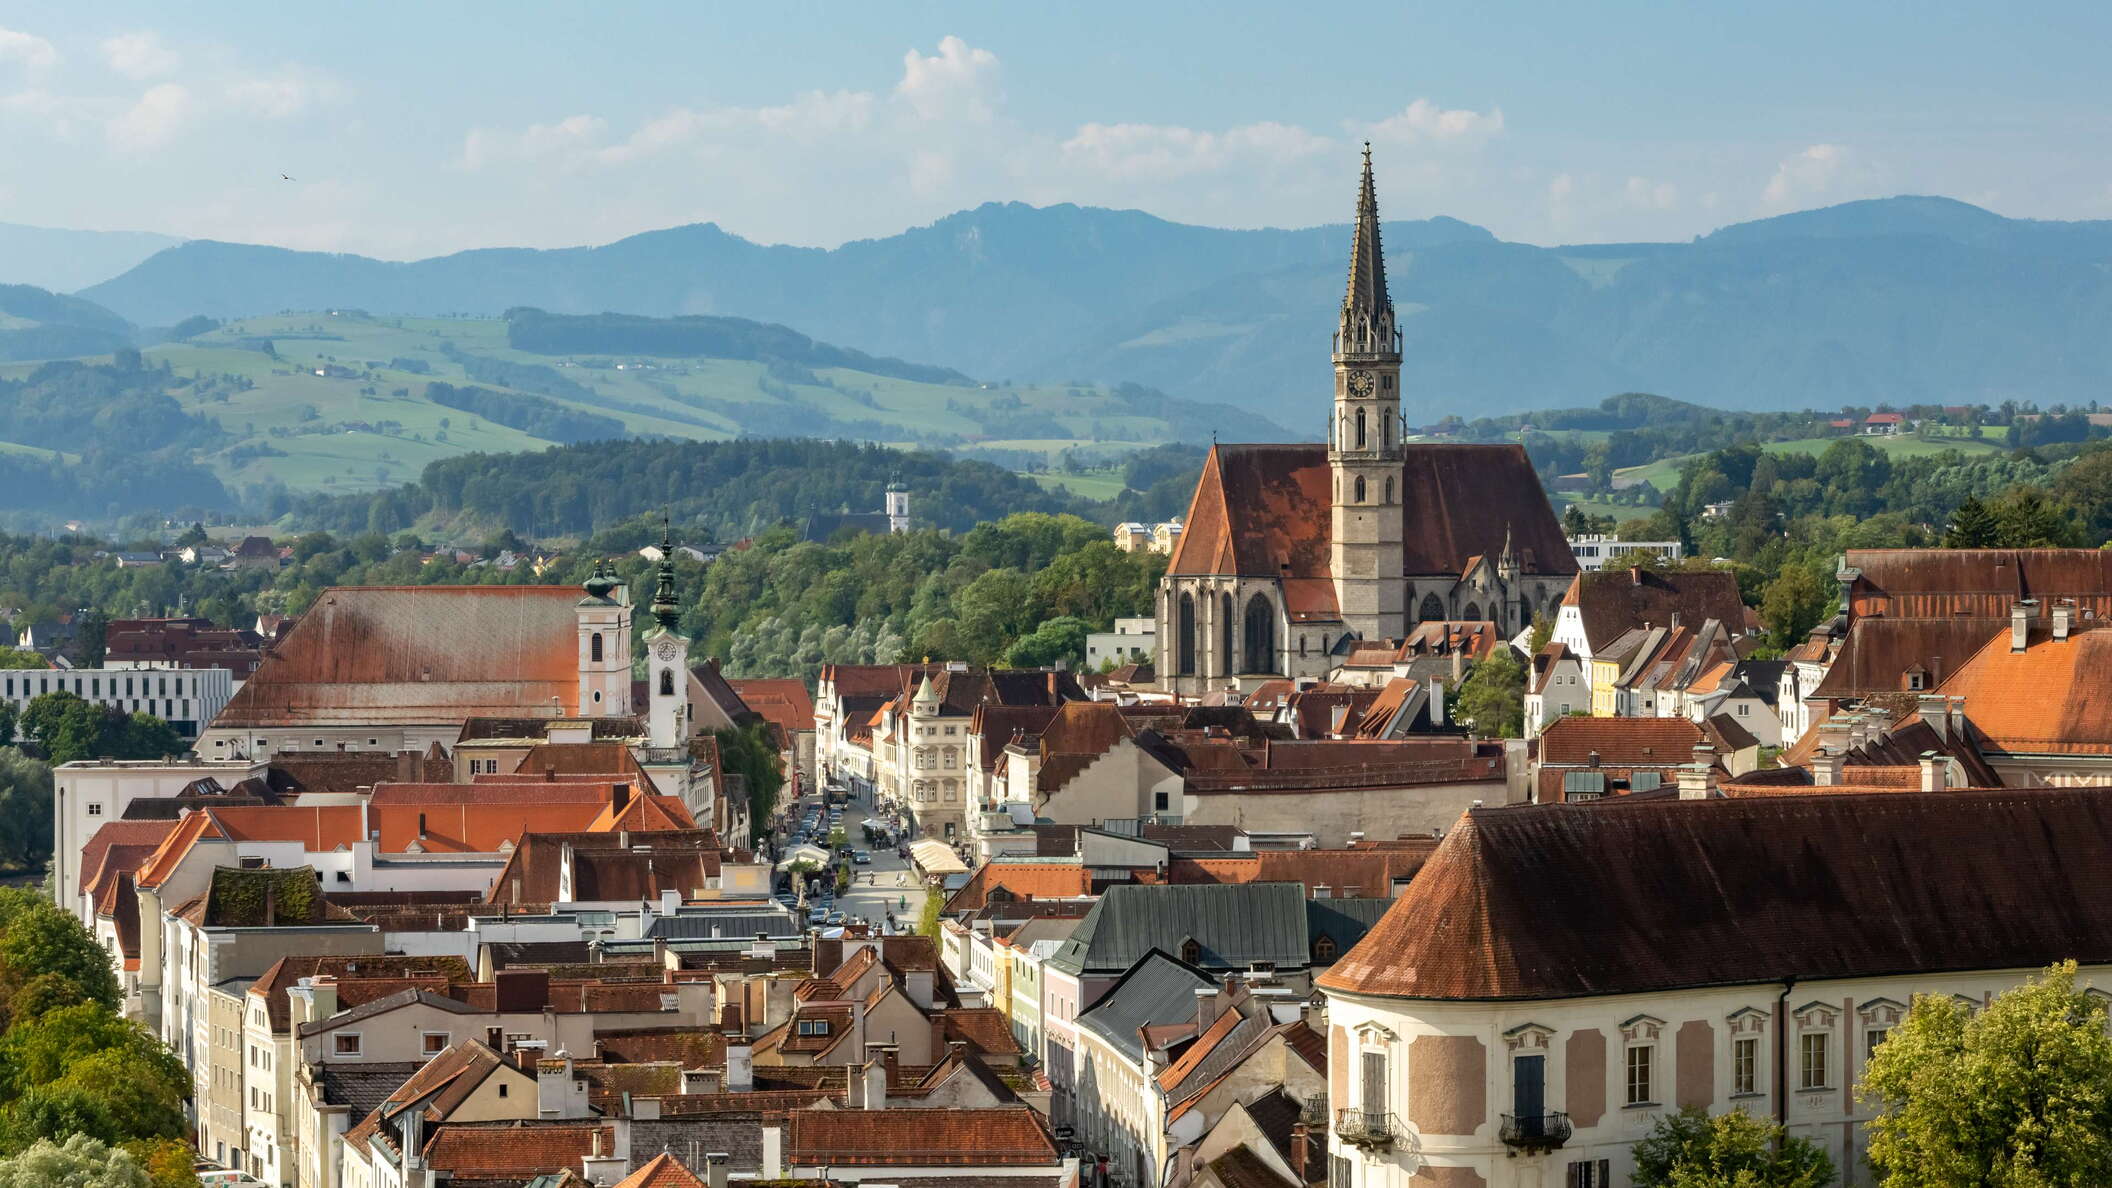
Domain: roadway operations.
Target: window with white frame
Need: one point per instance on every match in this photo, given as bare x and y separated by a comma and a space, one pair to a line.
1813, 1051
435, 1042
1745, 1065
1639, 1037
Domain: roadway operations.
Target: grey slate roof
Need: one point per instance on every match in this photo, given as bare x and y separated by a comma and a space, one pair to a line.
726, 926
361, 1088
1345, 921
1157, 989
1234, 924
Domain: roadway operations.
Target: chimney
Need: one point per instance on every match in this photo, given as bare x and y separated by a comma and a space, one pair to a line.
2020, 624
1206, 1007
773, 1146
1437, 702
715, 1168
1694, 777
1935, 772
740, 1067
1592, 759
2063, 611
1934, 710
1825, 767
1300, 1138
403, 768
868, 1088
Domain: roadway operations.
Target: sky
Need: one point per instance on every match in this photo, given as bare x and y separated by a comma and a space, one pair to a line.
407, 130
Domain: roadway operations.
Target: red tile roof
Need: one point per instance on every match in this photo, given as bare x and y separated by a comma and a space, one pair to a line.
782, 700
1627, 742
2050, 699
419, 654
1612, 602
1523, 903
1025, 880
662, 1171
1008, 1136
519, 1150
1976, 583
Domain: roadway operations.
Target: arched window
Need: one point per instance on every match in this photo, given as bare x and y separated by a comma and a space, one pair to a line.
1225, 636
595, 646
1360, 428
1359, 490
1431, 611
1259, 644
667, 682
1184, 633
1473, 614
1389, 492
1388, 434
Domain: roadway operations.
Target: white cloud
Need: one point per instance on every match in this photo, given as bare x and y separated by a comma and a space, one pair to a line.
1808, 174
139, 55
282, 94
1424, 122
1645, 194
1160, 151
27, 49
959, 82
484, 146
154, 119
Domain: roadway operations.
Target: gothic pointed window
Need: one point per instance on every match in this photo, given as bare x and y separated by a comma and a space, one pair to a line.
1185, 631
595, 646
1360, 428
1259, 650
1473, 614
1225, 634
1432, 610
1358, 489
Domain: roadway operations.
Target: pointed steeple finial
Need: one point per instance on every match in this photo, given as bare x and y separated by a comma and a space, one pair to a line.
665, 611
1367, 326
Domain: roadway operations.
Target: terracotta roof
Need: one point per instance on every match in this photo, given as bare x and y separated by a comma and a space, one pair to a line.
662, 1171
175, 846
1008, 1136
1240, 1167
368, 973
985, 1028
1361, 873
1625, 742
1522, 903
566, 759
517, 1150
690, 1047
679, 860
121, 846
1263, 511
418, 654
780, 699
2050, 699
1976, 583
1612, 602
1877, 652
1024, 880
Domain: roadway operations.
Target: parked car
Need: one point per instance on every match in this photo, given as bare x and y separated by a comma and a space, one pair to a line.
817, 915
862, 857
835, 917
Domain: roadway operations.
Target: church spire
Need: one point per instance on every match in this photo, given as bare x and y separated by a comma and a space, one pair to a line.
1367, 326
665, 611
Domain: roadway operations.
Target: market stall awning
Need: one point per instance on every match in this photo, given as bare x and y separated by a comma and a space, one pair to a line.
933, 858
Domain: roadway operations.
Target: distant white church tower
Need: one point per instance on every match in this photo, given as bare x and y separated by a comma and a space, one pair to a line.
897, 505
604, 645
1363, 443
666, 660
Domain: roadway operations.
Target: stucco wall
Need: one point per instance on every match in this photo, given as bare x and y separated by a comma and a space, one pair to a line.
1447, 1084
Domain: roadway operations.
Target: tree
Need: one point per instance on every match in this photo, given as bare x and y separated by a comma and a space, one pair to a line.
25, 806
1543, 630
38, 940
1690, 1149
2084, 486
1972, 526
20, 658
69, 728
2026, 519
79, 1162
750, 752
1492, 697
2018, 1094
1794, 603
1059, 639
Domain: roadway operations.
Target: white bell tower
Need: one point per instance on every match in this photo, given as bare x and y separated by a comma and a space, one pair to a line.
666, 661
604, 646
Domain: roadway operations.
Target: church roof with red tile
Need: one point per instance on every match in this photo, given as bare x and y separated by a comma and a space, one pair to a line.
418, 654
1264, 511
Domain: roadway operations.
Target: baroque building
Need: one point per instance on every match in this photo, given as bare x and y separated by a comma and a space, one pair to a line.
1292, 552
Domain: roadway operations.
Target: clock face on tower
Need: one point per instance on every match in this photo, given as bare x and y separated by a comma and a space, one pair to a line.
665, 649
1360, 383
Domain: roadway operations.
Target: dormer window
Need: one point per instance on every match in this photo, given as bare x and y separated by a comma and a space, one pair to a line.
1191, 951
1324, 951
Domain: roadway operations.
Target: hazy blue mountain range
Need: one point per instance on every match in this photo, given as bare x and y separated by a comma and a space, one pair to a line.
1901, 299
53, 258
38, 324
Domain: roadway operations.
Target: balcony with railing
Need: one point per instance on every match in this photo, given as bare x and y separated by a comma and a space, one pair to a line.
1367, 1129
1535, 1132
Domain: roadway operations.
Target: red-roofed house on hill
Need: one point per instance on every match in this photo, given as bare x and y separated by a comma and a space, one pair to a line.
1289, 549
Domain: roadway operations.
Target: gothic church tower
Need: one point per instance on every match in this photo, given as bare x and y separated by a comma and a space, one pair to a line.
1363, 442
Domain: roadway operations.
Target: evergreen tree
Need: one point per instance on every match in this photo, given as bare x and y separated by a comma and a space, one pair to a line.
1972, 526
